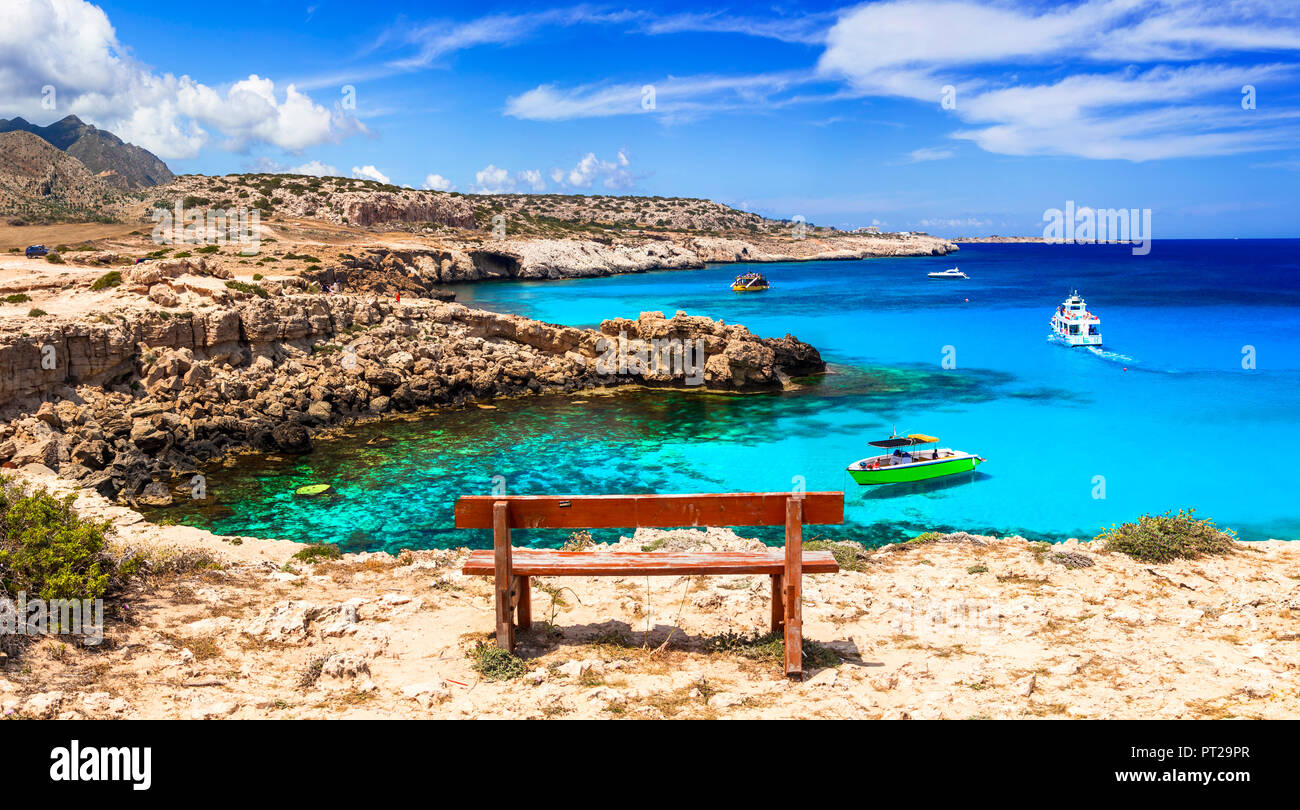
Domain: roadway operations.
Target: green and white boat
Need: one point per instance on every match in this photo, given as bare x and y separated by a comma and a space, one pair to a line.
911, 459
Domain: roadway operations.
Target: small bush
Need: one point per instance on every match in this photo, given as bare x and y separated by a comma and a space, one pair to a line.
769, 647
245, 287
578, 541
46, 550
310, 674
314, 552
496, 664
54, 258
851, 556
110, 279
209, 249
37, 313
1171, 536
1070, 559
17, 298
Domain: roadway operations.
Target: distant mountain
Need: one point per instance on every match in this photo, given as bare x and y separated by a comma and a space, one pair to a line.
40, 183
118, 163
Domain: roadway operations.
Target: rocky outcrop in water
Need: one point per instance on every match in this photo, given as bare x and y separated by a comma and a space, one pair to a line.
131, 403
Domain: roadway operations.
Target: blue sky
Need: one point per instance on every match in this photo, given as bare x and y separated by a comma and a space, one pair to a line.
833, 112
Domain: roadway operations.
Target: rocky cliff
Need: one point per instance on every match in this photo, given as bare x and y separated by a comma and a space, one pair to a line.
125, 402
393, 270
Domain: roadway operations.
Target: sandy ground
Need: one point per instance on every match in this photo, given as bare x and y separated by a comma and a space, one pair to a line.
63, 234
57, 289
975, 627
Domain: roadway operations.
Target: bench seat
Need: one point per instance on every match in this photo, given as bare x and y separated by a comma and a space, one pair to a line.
542, 563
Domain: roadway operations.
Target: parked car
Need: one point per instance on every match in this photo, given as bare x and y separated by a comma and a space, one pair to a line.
37, 251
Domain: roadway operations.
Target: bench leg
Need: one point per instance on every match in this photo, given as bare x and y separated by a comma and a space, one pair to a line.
778, 603
525, 606
503, 576
793, 588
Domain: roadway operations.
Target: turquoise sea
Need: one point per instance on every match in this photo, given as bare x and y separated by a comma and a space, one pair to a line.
1169, 414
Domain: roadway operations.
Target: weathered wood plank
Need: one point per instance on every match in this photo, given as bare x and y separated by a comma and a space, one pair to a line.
541, 562
525, 607
778, 601
794, 588
502, 570
654, 511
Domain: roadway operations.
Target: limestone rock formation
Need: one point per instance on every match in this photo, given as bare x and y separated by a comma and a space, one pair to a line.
130, 405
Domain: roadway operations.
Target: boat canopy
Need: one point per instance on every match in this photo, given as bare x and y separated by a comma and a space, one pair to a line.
899, 442
904, 441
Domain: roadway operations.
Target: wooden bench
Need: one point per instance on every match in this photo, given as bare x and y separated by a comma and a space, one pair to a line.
512, 569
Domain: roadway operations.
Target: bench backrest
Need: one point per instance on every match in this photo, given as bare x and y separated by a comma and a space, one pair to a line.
648, 511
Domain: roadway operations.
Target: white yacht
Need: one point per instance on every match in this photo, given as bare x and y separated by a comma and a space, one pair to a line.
1074, 325
953, 273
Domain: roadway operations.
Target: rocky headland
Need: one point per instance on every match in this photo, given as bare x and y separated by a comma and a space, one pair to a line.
176, 367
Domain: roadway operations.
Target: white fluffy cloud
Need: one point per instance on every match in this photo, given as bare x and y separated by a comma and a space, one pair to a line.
315, 168
495, 180
916, 48
927, 153
673, 97
71, 46
613, 174
1107, 79
533, 179
436, 182
369, 173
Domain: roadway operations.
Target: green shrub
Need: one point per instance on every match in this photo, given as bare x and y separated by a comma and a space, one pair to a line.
851, 556
209, 249
769, 647
314, 552
37, 313
184, 254
54, 258
242, 286
17, 298
110, 279
580, 540
1171, 536
496, 664
49, 552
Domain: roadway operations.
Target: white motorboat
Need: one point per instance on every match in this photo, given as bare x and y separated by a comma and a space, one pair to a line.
1074, 325
952, 273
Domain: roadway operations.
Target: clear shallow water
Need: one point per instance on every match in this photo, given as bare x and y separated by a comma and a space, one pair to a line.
1165, 414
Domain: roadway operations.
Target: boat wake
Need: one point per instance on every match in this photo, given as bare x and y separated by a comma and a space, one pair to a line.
1096, 351
1114, 357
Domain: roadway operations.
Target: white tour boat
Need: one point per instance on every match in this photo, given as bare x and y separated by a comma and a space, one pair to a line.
1074, 325
953, 273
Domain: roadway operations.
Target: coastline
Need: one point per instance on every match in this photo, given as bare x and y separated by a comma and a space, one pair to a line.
239, 627
958, 626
